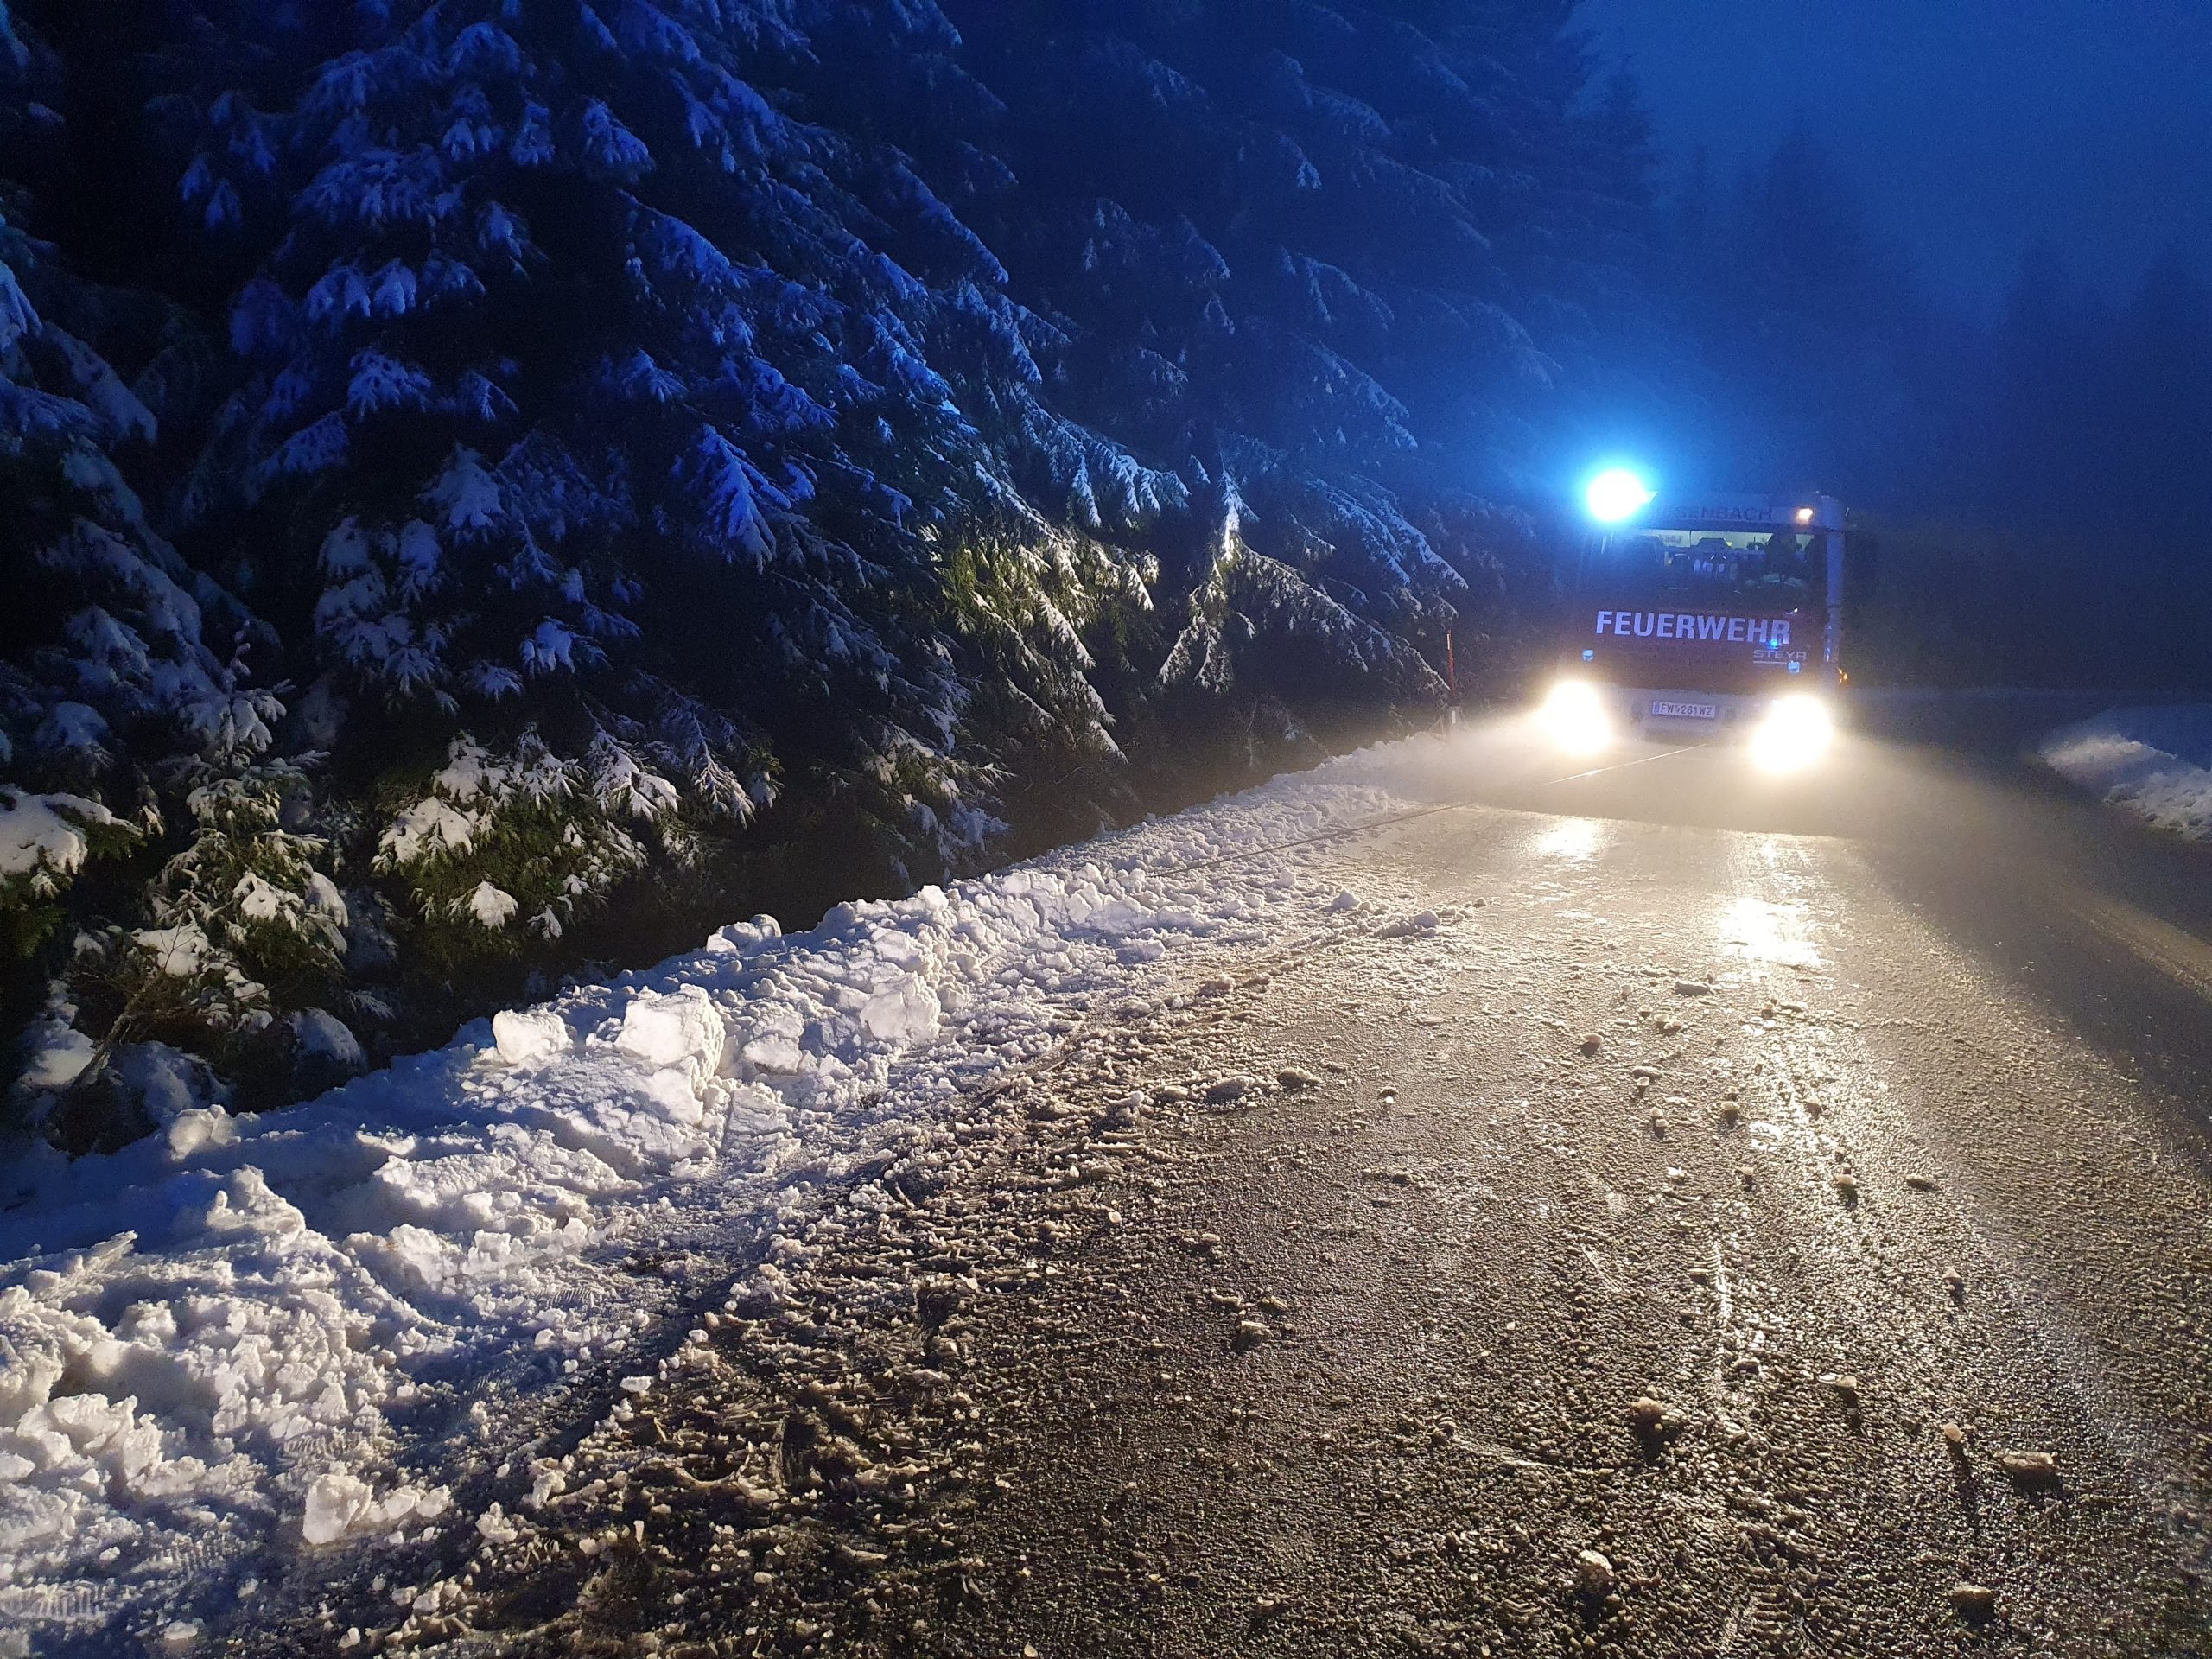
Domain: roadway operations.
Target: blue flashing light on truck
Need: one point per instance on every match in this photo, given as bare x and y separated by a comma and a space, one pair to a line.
1704, 618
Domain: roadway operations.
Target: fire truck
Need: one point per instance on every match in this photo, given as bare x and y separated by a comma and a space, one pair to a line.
1703, 617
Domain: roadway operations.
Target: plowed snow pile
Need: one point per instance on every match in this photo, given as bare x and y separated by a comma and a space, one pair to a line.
2155, 762
248, 1332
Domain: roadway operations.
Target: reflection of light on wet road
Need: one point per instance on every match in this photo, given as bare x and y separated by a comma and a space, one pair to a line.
1765, 933
1572, 841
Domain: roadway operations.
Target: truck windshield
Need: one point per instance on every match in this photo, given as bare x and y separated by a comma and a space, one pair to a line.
1766, 571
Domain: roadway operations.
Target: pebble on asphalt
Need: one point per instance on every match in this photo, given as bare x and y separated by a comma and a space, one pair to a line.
2033, 1471
1976, 1603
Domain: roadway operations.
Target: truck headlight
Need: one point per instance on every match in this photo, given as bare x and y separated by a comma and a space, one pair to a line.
1575, 717
1794, 733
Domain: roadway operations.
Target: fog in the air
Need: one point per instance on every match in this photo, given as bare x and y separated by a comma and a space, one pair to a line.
1975, 129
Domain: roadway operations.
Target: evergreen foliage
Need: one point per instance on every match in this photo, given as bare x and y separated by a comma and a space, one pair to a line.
672, 452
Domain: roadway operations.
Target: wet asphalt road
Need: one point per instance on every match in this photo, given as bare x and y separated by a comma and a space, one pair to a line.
1696, 1214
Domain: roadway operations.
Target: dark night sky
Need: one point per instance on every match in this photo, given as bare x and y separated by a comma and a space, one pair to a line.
1973, 127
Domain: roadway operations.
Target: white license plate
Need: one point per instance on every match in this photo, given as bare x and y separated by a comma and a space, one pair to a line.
1684, 711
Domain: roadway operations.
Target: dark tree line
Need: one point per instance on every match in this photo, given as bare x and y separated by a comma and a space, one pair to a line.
2034, 484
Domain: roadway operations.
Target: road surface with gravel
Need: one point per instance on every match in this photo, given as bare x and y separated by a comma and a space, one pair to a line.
1662, 1212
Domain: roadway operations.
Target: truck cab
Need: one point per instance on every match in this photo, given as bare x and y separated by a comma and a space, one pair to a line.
1704, 618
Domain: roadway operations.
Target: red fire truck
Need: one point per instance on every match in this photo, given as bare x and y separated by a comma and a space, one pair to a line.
1701, 618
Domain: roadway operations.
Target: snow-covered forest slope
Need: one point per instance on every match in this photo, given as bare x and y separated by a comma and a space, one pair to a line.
494, 490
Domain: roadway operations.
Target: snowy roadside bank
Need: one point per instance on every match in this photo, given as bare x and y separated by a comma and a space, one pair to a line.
247, 1334
2156, 763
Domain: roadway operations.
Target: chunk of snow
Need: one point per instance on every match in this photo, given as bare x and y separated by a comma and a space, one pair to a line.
340, 1504
666, 1030
494, 1527
526, 1038
776, 1049
199, 1126
1409, 927
745, 935
904, 1013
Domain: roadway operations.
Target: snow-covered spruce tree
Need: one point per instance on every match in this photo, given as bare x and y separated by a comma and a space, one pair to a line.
1323, 263
48, 441
593, 405
1050, 560
686, 450
145, 879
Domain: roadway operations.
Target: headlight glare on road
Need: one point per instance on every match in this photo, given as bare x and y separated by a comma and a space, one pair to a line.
1575, 717
1794, 734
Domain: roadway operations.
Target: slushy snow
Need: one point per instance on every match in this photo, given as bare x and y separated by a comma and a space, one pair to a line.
2157, 763
251, 1334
